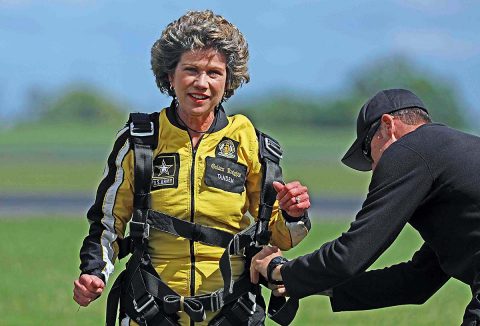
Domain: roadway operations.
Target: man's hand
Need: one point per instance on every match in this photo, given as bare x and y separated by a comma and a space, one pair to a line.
87, 288
260, 262
292, 197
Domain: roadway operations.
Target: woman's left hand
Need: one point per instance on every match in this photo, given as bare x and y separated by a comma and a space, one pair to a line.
292, 197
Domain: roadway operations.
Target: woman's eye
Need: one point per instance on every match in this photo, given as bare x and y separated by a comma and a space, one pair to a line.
214, 73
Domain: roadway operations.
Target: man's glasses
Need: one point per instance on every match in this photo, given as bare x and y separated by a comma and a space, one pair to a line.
366, 146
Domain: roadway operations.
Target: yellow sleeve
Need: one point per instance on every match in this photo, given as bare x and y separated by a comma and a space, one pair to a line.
110, 212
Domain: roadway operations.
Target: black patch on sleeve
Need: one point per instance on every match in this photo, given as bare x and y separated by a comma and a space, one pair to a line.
165, 171
224, 174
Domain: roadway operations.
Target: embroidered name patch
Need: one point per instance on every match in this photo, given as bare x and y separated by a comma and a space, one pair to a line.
227, 148
165, 171
224, 174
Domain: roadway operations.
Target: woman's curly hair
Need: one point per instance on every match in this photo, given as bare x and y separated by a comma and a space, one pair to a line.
200, 30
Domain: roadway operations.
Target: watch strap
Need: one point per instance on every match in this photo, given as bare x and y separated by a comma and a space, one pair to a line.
279, 260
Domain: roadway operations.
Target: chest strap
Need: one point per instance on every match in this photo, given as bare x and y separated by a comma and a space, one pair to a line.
188, 230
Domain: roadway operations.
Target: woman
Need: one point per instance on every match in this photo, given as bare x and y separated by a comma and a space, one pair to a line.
206, 168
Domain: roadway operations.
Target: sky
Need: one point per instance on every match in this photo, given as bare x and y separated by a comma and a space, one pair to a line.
303, 46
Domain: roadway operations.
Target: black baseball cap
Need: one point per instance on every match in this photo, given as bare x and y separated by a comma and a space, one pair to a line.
385, 101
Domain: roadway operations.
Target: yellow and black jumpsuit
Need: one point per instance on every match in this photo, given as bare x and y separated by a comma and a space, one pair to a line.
217, 184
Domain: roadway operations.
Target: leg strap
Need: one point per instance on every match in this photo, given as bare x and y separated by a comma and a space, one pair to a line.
151, 295
247, 310
113, 300
239, 242
281, 310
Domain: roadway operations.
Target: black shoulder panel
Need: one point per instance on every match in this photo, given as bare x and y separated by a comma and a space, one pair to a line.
144, 128
269, 148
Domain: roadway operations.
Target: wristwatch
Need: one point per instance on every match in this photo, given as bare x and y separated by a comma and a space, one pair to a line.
279, 260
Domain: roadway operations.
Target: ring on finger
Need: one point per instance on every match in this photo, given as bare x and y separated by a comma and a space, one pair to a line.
297, 199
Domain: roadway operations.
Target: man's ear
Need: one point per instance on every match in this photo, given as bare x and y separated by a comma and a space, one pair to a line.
389, 125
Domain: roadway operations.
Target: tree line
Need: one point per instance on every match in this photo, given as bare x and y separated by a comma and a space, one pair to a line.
86, 104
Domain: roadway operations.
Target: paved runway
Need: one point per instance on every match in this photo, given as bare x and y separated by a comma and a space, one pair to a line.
76, 205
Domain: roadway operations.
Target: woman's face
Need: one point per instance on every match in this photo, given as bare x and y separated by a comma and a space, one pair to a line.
199, 81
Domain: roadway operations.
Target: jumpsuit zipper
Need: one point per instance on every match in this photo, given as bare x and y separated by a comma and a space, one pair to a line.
192, 217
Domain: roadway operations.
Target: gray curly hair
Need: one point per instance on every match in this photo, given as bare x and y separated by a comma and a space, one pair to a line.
200, 30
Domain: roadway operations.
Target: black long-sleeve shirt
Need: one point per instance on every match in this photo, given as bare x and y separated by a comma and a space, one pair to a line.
429, 178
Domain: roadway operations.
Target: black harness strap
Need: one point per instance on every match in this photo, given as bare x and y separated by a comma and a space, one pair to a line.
240, 241
188, 230
233, 243
113, 300
149, 299
270, 154
280, 310
143, 140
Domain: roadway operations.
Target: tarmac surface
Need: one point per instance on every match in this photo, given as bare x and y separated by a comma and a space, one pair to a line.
77, 205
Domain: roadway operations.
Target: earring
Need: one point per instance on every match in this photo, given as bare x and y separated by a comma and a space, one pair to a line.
224, 98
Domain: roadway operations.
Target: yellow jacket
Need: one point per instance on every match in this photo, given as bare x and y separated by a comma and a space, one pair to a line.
217, 184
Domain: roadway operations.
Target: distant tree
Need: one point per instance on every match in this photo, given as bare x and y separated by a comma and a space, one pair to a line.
341, 109
439, 94
81, 103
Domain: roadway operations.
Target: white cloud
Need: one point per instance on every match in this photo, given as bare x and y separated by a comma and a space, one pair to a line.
435, 43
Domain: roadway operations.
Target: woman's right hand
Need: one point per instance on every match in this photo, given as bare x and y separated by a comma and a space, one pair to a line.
87, 288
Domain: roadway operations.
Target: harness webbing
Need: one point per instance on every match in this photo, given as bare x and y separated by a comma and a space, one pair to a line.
188, 230
270, 154
150, 299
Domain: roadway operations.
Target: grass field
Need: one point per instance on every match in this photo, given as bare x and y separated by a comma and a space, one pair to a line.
40, 261
70, 158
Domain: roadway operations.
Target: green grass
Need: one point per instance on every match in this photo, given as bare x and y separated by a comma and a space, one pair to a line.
56, 158
70, 158
40, 261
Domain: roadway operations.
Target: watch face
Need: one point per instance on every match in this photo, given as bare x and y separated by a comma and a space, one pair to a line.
277, 260
271, 266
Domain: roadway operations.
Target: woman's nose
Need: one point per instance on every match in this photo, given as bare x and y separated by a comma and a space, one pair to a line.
201, 80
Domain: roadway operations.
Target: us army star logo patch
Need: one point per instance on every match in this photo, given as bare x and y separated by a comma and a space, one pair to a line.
165, 171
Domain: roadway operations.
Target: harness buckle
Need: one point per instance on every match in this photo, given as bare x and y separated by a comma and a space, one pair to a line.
150, 300
138, 131
273, 147
139, 229
247, 304
236, 244
216, 300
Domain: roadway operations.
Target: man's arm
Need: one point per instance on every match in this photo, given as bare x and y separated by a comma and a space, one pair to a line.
412, 282
399, 184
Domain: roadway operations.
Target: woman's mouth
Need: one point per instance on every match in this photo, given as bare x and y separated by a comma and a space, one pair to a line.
198, 97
